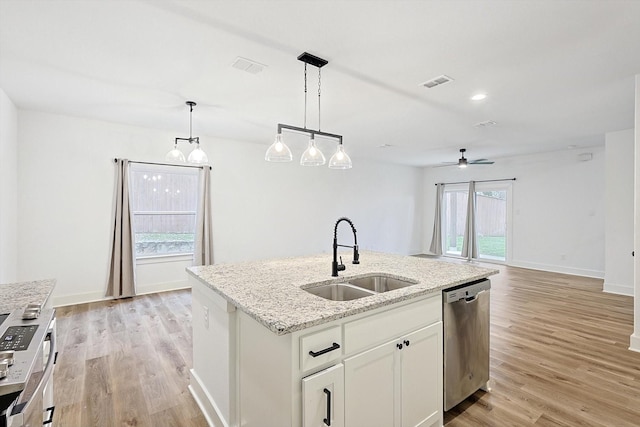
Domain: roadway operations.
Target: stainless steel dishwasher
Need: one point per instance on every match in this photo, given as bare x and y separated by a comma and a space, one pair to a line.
465, 318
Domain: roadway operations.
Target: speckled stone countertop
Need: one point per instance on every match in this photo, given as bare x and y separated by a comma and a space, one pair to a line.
272, 291
18, 295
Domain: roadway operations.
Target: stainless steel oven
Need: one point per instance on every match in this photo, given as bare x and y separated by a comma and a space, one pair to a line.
28, 352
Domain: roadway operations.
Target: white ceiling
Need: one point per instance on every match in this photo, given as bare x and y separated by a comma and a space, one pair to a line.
557, 73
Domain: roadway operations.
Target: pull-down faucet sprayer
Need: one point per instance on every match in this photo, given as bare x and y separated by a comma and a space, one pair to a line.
335, 267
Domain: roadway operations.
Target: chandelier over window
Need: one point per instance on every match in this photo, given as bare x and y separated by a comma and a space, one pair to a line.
197, 156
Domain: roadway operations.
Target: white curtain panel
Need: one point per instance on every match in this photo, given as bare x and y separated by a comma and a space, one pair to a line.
469, 244
203, 252
122, 268
436, 240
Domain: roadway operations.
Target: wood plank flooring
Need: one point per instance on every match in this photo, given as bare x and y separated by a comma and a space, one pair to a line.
559, 357
126, 363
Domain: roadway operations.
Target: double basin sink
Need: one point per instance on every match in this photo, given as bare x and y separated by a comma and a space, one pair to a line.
359, 288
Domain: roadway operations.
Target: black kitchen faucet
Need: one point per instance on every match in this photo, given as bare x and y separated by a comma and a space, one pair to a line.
335, 267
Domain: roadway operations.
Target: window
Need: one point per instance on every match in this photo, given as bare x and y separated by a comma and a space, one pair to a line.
163, 204
491, 216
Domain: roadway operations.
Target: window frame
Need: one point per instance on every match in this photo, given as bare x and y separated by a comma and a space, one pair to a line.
166, 257
506, 186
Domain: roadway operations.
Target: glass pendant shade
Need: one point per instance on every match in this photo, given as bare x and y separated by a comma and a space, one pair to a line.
278, 151
198, 156
175, 155
312, 156
340, 160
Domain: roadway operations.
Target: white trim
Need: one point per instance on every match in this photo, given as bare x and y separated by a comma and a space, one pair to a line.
558, 269
205, 402
59, 301
617, 289
634, 343
159, 259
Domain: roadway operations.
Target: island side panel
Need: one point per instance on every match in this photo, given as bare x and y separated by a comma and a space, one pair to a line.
214, 373
265, 375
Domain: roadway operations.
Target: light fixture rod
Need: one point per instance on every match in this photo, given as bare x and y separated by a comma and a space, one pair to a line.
311, 132
191, 138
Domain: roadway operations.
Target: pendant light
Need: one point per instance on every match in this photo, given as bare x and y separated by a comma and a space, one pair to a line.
197, 156
279, 152
340, 160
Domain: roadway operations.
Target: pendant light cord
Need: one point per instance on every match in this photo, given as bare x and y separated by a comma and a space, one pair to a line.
319, 127
305, 95
190, 121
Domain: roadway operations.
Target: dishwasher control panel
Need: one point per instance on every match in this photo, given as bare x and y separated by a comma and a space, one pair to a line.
468, 290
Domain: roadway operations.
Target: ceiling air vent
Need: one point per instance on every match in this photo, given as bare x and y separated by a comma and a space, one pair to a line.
440, 80
248, 65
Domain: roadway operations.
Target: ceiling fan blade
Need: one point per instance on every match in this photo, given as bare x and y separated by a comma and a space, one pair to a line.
481, 162
444, 164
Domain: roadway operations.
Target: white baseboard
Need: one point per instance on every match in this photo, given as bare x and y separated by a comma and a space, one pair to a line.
205, 402
62, 300
634, 343
617, 289
559, 269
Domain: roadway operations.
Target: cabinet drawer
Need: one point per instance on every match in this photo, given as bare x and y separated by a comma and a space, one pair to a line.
321, 347
372, 330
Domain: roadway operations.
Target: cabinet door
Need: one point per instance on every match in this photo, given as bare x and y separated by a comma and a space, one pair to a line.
369, 383
323, 398
421, 365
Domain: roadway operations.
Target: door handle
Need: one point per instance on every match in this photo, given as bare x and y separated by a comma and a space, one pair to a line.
327, 420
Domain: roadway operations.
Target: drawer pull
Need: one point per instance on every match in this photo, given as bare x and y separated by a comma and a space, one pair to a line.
327, 420
335, 346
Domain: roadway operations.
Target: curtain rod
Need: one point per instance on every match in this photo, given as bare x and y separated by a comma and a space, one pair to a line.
486, 180
165, 164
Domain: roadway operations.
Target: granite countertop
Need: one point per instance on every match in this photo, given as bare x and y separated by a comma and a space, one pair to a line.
17, 295
272, 293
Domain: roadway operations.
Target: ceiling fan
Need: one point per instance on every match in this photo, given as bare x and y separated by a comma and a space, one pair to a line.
463, 162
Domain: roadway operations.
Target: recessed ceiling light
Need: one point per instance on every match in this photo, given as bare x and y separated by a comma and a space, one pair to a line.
385, 146
478, 96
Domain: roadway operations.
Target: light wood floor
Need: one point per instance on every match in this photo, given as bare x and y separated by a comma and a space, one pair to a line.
126, 363
559, 357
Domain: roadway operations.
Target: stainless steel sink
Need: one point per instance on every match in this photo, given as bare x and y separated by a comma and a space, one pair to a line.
380, 283
339, 292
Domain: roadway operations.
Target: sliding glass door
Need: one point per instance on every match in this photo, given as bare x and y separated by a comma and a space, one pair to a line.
491, 224
454, 217
492, 217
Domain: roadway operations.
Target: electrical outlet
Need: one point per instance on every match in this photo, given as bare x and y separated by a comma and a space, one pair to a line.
205, 310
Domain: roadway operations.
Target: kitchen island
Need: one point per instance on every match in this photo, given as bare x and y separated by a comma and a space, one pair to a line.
268, 353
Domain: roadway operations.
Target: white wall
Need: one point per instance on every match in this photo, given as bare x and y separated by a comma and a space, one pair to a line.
8, 189
558, 208
260, 209
618, 276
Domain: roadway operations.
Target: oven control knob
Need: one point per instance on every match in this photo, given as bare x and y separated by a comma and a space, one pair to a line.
7, 356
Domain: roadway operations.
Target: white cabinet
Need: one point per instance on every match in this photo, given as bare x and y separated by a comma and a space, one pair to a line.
323, 398
398, 383
369, 388
421, 379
